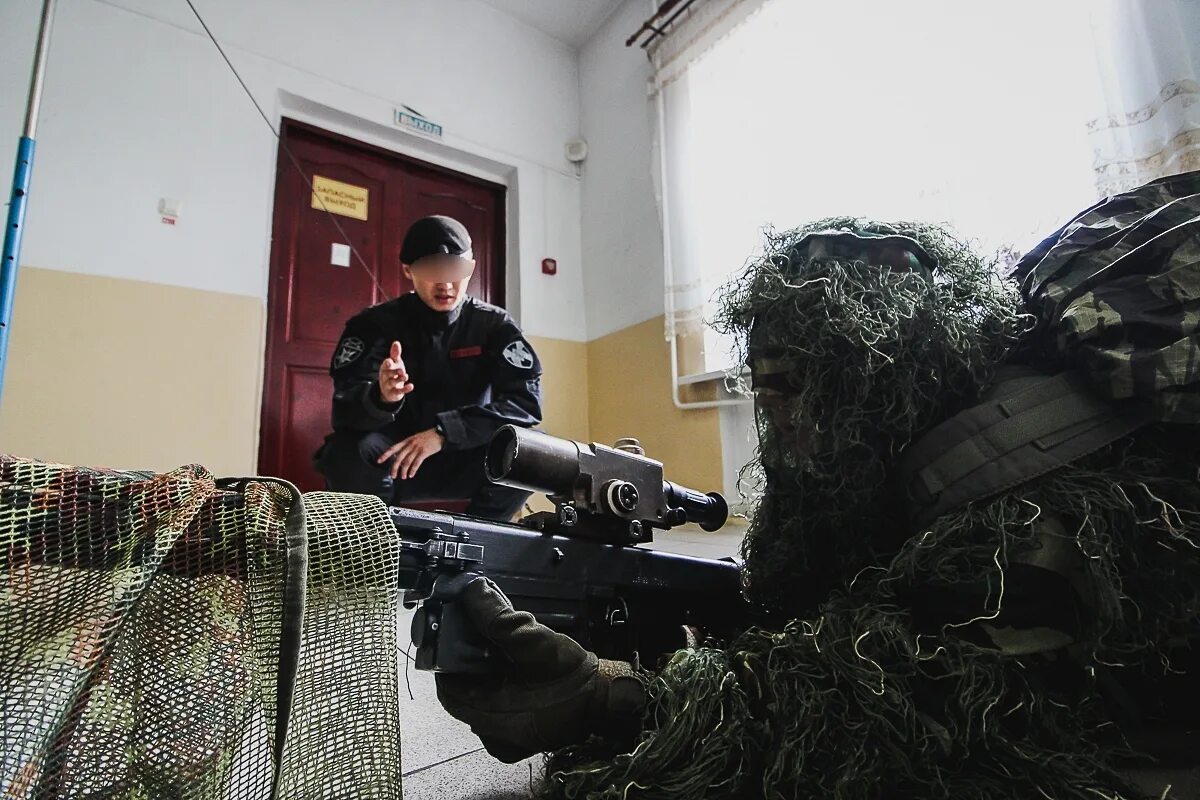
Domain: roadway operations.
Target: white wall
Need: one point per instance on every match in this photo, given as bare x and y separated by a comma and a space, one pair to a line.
139, 106
622, 238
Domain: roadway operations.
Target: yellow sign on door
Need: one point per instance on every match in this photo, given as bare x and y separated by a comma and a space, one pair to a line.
340, 198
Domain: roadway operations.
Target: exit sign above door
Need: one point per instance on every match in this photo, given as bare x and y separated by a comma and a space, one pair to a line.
409, 118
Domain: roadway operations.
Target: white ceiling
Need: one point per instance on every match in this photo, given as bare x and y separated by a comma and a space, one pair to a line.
570, 21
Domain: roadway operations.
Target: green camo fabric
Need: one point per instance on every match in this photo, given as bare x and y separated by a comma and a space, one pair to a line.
1117, 294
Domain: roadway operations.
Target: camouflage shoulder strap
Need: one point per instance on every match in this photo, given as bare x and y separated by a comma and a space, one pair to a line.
1030, 424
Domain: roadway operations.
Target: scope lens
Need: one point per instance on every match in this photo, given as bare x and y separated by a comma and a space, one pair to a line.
715, 515
501, 452
709, 511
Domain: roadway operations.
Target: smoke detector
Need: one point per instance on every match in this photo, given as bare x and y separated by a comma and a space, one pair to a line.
576, 150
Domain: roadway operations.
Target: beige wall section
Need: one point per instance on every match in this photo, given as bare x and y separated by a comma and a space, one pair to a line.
120, 373
629, 394
564, 387
564, 394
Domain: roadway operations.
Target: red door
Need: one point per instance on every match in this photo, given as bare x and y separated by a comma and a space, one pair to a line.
375, 195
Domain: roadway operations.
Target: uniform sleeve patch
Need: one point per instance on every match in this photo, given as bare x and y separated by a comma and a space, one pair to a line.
349, 350
518, 354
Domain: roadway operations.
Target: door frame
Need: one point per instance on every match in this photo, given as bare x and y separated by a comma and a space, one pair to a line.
284, 166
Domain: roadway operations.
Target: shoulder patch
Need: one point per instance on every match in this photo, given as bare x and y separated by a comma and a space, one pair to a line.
348, 351
518, 354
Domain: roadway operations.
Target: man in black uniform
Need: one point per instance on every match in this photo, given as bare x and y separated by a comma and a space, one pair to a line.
423, 381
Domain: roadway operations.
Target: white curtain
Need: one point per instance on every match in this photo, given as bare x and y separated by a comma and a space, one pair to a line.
1146, 115
779, 112
679, 181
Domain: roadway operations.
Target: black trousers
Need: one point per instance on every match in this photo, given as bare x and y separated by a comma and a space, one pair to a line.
347, 460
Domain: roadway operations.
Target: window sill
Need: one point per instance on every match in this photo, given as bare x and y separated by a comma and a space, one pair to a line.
705, 377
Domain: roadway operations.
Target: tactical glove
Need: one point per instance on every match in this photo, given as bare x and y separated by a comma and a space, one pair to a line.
553, 692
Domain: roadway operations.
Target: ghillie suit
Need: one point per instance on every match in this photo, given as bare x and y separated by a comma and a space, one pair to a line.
978, 527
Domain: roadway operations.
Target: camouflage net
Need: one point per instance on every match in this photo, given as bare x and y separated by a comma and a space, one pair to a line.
151, 642
963, 659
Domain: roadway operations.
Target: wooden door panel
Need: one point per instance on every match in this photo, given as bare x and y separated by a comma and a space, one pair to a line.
324, 296
307, 422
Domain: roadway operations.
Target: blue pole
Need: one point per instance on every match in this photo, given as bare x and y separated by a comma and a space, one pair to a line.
10, 257
12, 246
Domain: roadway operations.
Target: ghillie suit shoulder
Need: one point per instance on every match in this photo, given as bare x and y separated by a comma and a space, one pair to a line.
1086, 454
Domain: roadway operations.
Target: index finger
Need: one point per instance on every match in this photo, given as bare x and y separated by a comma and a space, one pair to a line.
395, 352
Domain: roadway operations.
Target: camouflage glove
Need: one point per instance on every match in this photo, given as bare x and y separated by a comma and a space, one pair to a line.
554, 692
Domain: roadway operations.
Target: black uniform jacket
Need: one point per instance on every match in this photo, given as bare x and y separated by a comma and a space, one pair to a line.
471, 369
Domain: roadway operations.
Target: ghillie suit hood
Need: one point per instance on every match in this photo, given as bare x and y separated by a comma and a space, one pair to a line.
990, 649
859, 336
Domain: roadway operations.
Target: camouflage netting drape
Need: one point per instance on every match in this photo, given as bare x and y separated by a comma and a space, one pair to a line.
150, 638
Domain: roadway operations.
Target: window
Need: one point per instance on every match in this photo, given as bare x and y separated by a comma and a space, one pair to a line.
937, 110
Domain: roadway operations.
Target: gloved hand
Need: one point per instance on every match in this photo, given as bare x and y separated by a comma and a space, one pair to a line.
554, 692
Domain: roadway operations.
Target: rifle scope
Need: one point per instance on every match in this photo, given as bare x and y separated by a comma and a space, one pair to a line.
600, 478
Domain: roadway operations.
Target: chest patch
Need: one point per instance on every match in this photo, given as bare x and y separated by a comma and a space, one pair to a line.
348, 351
467, 352
518, 354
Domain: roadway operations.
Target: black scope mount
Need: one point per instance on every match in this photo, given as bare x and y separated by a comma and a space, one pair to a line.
617, 495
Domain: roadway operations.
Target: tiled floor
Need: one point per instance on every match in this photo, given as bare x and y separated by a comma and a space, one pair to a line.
443, 759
